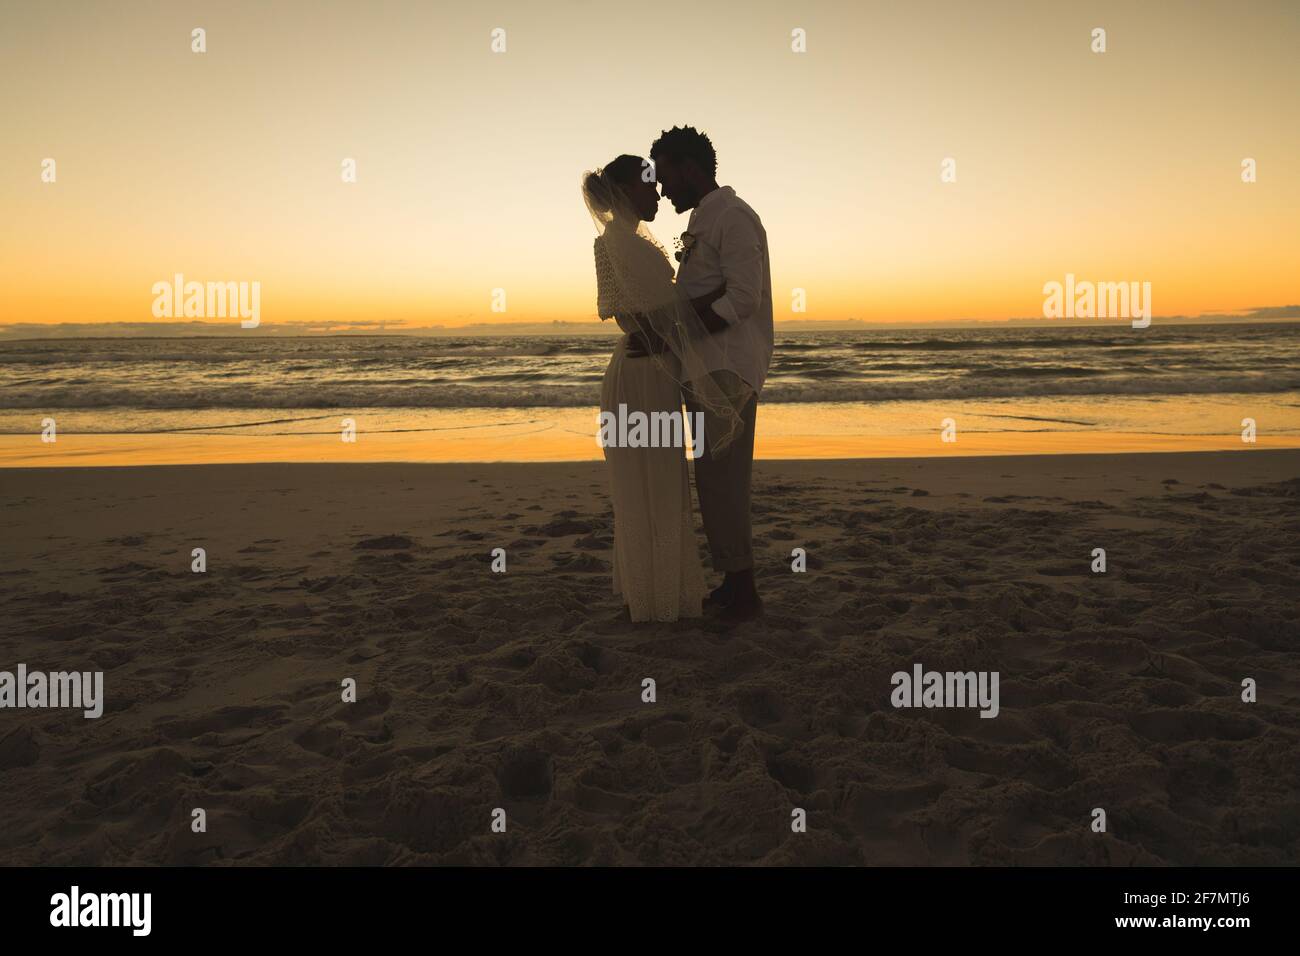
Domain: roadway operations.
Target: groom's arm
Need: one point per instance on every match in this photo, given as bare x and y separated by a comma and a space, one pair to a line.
704, 308
740, 255
646, 341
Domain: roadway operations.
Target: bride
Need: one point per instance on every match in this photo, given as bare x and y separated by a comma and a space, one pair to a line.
657, 568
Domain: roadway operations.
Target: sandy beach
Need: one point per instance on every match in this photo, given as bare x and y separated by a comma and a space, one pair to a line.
523, 691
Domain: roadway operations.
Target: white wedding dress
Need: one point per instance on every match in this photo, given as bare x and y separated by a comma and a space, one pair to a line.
656, 562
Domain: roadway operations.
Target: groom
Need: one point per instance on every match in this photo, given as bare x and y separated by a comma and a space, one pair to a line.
724, 242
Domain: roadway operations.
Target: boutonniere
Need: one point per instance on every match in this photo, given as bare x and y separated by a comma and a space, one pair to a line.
684, 246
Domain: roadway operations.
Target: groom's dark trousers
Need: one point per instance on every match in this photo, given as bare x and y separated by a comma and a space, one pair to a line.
723, 485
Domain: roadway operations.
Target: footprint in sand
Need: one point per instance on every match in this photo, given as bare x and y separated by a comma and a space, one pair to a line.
526, 773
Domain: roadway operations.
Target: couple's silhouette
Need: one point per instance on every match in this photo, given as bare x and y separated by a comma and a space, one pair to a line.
699, 335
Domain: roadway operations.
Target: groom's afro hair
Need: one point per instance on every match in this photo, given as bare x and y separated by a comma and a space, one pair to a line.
686, 142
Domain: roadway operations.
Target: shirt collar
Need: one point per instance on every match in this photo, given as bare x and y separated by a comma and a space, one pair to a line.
709, 200
714, 196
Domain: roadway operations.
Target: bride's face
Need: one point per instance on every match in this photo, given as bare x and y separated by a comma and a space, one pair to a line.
643, 196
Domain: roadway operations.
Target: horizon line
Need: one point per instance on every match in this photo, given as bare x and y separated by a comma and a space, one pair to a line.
14, 332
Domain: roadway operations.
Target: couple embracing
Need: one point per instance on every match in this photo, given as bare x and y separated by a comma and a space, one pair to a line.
700, 335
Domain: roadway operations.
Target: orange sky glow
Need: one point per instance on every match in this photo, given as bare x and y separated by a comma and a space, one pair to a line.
226, 165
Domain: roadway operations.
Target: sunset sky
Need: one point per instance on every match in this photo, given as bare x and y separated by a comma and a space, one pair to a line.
226, 165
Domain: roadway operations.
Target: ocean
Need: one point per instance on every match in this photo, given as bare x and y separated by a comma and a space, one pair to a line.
1171, 380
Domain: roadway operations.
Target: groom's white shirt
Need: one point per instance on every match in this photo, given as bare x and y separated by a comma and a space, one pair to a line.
731, 245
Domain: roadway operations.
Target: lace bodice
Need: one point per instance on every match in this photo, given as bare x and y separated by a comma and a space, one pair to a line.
633, 274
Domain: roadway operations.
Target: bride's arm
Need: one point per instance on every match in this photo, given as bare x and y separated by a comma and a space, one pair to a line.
605, 282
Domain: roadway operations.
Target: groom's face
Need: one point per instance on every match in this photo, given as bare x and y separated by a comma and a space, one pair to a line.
671, 176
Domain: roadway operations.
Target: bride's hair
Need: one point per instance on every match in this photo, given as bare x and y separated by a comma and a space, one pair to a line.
599, 185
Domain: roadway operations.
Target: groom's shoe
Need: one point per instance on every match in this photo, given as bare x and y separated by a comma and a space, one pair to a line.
743, 603
739, 611
719, 597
